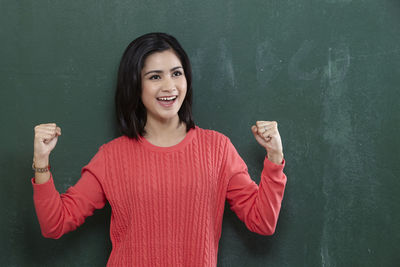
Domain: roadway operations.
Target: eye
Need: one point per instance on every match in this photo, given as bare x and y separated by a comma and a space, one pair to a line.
176, 73
155, 77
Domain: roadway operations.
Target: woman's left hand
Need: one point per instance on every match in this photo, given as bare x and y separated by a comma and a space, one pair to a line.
267, 135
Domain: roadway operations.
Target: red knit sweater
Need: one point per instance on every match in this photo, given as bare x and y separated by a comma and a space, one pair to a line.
167, 202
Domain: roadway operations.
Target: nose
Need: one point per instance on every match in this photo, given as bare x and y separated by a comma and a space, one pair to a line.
169, 84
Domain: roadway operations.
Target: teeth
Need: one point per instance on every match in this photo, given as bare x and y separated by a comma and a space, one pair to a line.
167, 98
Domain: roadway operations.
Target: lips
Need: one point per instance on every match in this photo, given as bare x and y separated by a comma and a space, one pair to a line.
167, 101
167, 98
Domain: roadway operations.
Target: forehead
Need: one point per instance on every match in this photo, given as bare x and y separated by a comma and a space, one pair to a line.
160, 60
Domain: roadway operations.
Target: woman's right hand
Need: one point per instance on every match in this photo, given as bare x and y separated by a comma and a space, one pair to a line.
46, 136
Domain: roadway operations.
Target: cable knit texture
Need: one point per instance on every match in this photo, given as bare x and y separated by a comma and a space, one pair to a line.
167, 202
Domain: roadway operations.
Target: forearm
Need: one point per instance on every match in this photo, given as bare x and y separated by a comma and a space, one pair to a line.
270, 195
61, 213
258, 206
49, 210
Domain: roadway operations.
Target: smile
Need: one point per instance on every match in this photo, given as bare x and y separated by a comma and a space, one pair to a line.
168, 98
167, 101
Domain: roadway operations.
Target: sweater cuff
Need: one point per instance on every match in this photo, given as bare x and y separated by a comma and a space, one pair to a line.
272, 170
45, 190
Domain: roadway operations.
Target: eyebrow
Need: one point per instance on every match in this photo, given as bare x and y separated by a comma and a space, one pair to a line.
160, 71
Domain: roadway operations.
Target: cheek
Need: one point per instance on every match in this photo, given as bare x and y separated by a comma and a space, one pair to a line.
147, 93
183, 87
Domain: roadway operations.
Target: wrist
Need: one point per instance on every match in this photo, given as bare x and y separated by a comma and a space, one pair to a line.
41, 162
276, 158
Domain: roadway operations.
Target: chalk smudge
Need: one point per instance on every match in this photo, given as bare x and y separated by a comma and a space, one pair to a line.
338, 64
295, 70
196, 61
338, 134
226, 66
268, 65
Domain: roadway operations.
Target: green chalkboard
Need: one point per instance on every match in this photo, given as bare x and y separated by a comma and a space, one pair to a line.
328, 71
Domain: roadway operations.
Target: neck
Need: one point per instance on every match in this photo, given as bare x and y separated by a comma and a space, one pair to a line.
165, 133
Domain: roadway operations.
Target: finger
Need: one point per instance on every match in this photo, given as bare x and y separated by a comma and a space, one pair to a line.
48, 132
263, 129
47, 141
254, 131
45, 137
265, 138
50, 127
47, 125
268, 134
266, 123
42, 127
43, 130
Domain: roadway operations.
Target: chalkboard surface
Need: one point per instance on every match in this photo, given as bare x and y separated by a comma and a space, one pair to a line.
328, 71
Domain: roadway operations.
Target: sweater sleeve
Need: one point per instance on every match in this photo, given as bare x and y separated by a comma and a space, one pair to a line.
257, 206
61, 213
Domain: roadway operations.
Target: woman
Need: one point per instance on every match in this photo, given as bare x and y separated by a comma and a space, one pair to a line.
165, 178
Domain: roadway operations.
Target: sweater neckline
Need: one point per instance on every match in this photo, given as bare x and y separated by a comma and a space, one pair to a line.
188, 137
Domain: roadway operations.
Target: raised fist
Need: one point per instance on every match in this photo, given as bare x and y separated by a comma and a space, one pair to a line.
267, 135
46, 136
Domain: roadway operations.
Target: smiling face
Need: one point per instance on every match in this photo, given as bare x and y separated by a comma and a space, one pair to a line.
163, 85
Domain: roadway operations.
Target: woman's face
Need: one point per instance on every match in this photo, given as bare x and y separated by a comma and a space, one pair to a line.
163, 85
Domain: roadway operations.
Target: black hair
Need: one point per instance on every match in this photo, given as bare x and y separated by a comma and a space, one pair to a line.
131, 113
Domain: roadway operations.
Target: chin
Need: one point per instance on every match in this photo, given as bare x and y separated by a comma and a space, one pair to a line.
166, 117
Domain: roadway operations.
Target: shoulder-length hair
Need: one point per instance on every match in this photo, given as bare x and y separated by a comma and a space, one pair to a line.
131, 113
